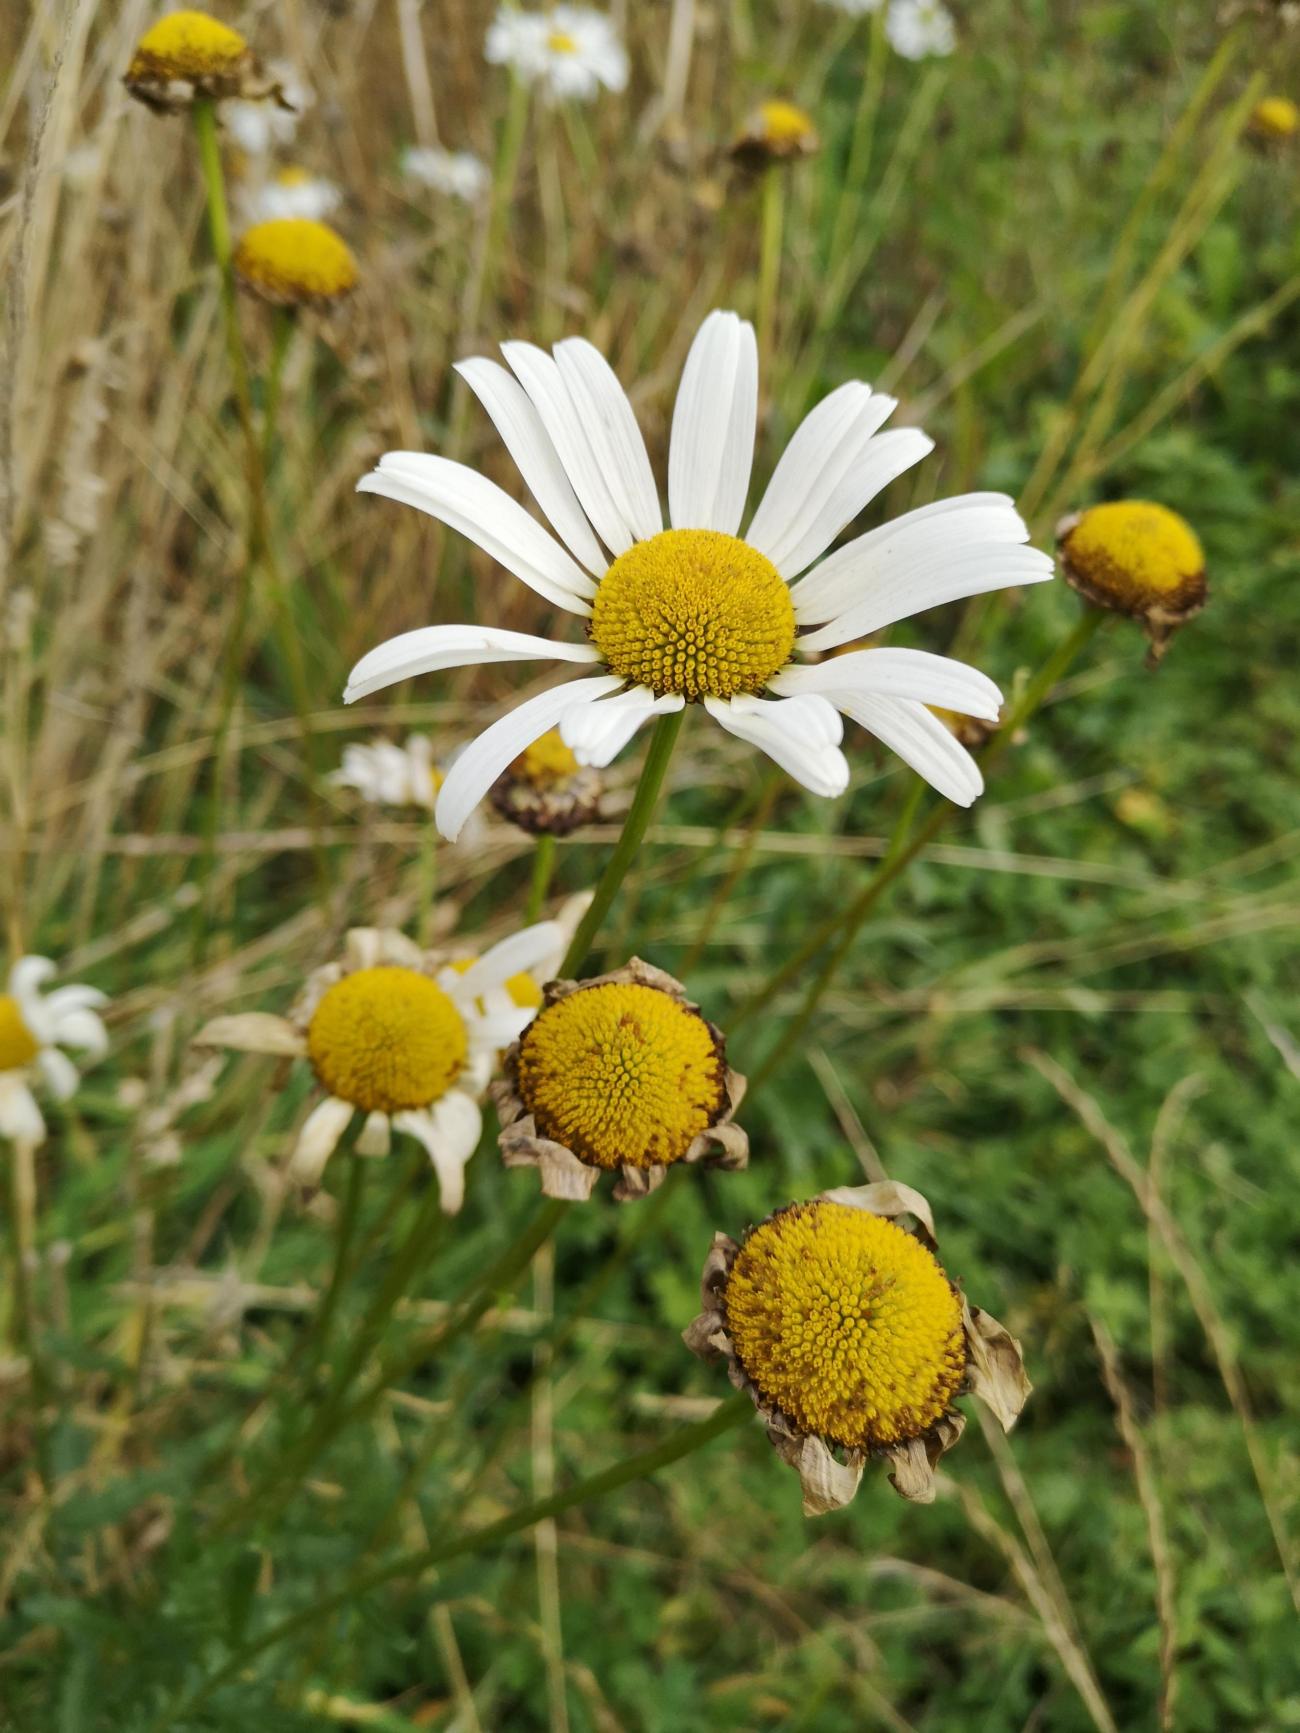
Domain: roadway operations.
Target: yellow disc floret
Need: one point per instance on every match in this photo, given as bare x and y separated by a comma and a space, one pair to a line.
387, 1039
621, 1073
294, 261
784, 125
846, 1323
188, 46
560, 42
1276, 117
694, 612
546, 762
1133, 555
18, 1046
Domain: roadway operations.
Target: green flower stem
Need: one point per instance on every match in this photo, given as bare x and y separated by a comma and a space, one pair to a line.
682, 1442
664, 739
849, 208
543, 867
742, 854
904, 847
349, 1218
428, 882
21, 1160
769, 261
282, 328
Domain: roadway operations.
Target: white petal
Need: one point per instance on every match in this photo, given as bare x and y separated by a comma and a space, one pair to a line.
945, 577
711, 452
375, 1136
85, 1031
599, 732
813, 463
318, 1139
60, 1074
517, 955
73, 998
945, 527
897, 674
27, 974
875, 462
484, 759
801, 734
541, 378
253, 1032
528, 442
466, 501
613, 432
449, 1131
20, 1117
430, 649
920, 740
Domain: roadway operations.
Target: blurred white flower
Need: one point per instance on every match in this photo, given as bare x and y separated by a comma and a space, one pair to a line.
33, 1032
458, 173
260, 127
570, 51
389, 775
291, 193
917, 28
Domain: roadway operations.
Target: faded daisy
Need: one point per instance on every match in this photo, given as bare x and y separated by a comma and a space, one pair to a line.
776, 131
33, 1033
389, 775
407, 1038
189, 55
569, 52
918, 29
546, 791
295, 262
696, 613
457, 173
852, 1341
1134, 557
618, 1074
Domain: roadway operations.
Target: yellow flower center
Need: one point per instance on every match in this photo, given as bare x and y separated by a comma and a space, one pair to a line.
546, 762
187, 45
523, 990
1276, 117
1133, 554
292, 176
846, 1323
560, 42
18, 1046
621, 1073
695, 612
387, 1039
784, 123
294, 260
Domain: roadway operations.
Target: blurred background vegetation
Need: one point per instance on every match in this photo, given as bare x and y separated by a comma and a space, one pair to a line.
1073, 1025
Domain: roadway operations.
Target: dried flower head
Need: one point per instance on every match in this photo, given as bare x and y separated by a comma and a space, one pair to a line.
1275, 120
188, 55
546, 791
1137, 558
852, 1341
776, 131
295, 262
404, 1036
619, 1073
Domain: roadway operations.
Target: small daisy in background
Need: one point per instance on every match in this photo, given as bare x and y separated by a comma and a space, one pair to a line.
776, 131
569, 52
258, 128
292, 192
189, 56
405, 1037
697, 613
852, 1341
33, 1033
385, 774
546, 792
1275, 120
919, 29
459, 174
295, 262
1138, 558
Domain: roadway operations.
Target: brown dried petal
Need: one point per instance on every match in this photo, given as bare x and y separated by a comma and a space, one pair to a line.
253, 1032
995, 1366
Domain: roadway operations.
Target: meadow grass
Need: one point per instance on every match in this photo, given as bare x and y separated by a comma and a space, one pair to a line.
1070, 1022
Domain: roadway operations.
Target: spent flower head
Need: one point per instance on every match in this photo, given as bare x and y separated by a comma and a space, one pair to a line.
852, 1341
33, 1033
190, 55
295, 262
776, 131
1136, 557
568, 52
1275, 120
545, 791
698, 613
405, 1037
621, 1074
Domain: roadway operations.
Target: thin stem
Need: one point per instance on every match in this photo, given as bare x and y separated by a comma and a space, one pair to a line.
26, 1327
428, 882
678, 1444
667, 728
740, 859
282, 326
769, 261
543, 867
314, 1349
860, 148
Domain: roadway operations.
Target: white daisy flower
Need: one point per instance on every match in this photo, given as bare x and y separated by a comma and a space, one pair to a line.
918, 28
33, 1032
261, 127
457, 173
406, 1037
570, 50
388, 775
696, 613
291, 193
